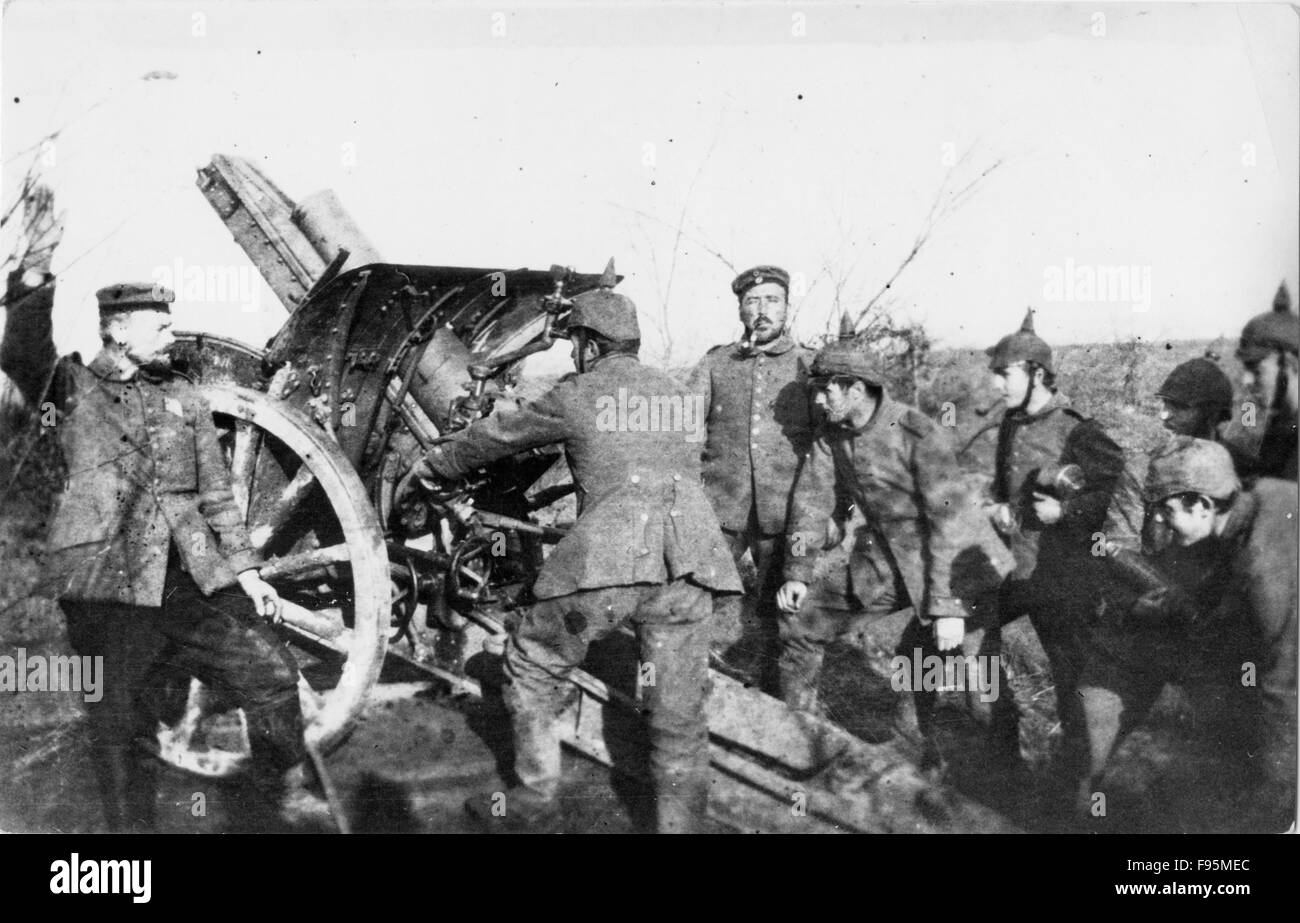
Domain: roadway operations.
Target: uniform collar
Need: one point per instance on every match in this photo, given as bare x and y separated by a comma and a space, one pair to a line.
613, 360
1058, 402
782, 344
105, 369
1240, 517
887, 413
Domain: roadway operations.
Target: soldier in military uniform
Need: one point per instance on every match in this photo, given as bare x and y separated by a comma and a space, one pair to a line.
646, 548
146, 535
1196, 398
758, 429
925, 544
1226, 598
1269, 351
1050, 532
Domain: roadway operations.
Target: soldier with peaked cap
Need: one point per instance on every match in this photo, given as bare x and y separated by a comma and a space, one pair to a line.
1223, 612
925, 545
646, 549
1264, 441
146, 535
1050, 532
759, 426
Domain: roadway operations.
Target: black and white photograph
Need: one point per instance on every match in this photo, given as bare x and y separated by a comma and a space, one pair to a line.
651, 417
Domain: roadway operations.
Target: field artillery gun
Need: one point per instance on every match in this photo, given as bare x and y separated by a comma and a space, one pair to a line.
374, 364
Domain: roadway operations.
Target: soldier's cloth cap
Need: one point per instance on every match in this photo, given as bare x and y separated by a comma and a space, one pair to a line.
1022, 346
134, 296
845, 358
608, 313
1199, 381
1278, 329
757, 276
1187, 465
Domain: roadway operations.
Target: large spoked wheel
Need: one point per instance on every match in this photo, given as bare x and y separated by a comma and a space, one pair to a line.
307, 512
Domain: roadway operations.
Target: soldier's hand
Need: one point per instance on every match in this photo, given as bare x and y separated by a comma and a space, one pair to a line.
264, 597
791, 595
1047, 509
834, 532
949, 632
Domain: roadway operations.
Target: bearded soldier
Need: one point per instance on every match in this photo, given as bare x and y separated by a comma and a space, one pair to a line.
924, 545
1222, 606
1269, 352
146, 535
1055, 474
758, 428
646, 549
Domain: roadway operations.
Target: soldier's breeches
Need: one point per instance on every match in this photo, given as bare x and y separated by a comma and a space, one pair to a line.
123, 636
989, 700
751, 620
1277, 687
824, 618
674, 712
672, 630
212, 638
222, 641
1114, 699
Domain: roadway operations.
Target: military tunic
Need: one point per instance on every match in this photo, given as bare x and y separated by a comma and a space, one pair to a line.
643, 518
759, 427
901, 471
144, 473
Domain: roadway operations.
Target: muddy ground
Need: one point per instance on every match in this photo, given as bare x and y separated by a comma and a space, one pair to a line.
414, 757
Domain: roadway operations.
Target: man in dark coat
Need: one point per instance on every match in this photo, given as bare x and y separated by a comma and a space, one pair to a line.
925, 545
146, 536
646, 548
1223, 611
1054, 481
758, 428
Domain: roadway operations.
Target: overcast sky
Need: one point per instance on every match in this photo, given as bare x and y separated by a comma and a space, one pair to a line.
1156, 144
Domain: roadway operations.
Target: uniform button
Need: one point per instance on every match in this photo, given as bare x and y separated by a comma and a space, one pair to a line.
677, 477
645, 550
756, 418
672, 512
645, 517
636, 479
753, 445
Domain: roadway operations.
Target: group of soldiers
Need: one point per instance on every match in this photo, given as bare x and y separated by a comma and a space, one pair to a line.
805, 451
797, 440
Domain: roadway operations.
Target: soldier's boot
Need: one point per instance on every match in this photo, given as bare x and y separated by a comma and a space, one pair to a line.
798, 670
517, 809
284, 789
128, 785
534, 804
681, 800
